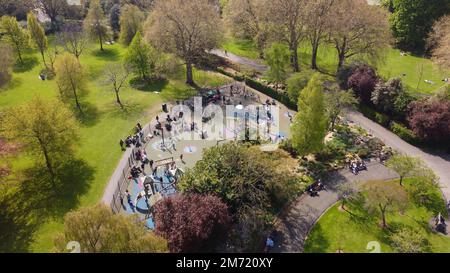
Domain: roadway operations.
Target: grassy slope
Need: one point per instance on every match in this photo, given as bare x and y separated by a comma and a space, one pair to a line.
105, 124
391, 65
336, 229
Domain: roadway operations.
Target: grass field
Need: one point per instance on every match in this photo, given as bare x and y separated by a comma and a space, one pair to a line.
392, 64
336, 229
103, 125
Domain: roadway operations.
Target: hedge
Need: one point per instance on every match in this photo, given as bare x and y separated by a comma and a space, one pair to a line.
284, 99
404, 133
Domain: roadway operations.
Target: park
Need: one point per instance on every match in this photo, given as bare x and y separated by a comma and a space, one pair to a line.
231, 126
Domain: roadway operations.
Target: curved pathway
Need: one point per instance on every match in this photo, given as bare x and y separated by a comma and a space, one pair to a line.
240, 60
438, 162
295, 222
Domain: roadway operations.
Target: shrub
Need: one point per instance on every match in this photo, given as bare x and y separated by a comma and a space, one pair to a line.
404, 133
6, 62
297, 82
363, 80
382, 119
430, 120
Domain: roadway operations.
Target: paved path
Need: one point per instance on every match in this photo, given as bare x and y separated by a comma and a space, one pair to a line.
296, 221
440, 163
240, 60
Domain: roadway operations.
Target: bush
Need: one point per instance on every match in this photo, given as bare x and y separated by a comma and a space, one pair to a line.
363, 80
404, 133
382, 119
297, 82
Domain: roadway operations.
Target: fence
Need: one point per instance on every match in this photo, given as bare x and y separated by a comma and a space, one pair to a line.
120, 177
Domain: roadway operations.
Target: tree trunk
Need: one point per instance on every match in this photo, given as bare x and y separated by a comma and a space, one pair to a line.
43, 58
294, 58
383, 217
118, 99
401, 181
314, 57
189, 77
49, 165
100, 37
341, 60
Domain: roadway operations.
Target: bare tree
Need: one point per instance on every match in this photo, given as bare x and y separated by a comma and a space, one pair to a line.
439, 42
116, 76
186, 28
287, 24
248, 19
53, 9
73, 39
358, 29
318, 23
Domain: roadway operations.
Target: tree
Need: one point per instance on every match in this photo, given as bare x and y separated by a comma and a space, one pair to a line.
98, 230
16, 8
385, 198
385, 95
347, 192
140, 56
288, 22
297, 82
95, 24
318, 21
131, 19
412, 21
185, 28
363, 80
70, 79
439, 42
408, 240
405, 165
14, 35
430, 120
310, 124
6, 63
46, 128
248, 20
73, 39
116, 75
337, 102
114, 18
277, 57
358, 29
37, 35
192, 222
53, 9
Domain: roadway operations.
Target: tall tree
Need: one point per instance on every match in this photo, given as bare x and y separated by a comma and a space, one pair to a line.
248, 20
37, 35
116, 75
287, 21
439, 42
185, 28
358, 29
14, 35
47, 129
412, 20
318, 21
192, 222
131, 19
70, 78
53, 9
73, 39
311, 122
385, 198
277, 57
95, 24
140, 57
6, 63
98, 230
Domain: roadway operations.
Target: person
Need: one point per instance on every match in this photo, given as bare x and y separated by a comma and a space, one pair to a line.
139, 126
151, 163
269, 244
121, 143
181, 158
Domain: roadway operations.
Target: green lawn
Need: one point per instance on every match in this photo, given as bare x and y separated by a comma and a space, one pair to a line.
336, 229
102, 127
391, 65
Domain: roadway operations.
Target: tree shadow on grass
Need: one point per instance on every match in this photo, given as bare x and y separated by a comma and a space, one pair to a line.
90, 115
110, 54
149, 85
130, 109
316, 243
28, 64
37, 192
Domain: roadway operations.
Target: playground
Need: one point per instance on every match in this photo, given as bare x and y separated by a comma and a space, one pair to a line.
174, 141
